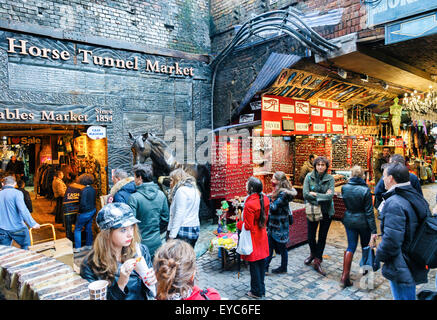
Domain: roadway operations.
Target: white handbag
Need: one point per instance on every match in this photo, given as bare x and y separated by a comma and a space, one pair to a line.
244, 242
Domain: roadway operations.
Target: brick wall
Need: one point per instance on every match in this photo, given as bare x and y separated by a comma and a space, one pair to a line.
176, 24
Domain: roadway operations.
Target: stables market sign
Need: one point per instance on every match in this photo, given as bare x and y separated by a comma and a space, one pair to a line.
22, 47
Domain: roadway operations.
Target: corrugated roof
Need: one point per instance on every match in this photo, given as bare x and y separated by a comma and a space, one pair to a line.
269, 72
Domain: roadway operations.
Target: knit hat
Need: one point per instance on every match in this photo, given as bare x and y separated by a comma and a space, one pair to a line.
116, 215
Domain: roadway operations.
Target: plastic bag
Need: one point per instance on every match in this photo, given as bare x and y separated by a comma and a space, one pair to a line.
245, 242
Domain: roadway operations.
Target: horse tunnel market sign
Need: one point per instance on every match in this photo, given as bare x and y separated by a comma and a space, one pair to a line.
22, 47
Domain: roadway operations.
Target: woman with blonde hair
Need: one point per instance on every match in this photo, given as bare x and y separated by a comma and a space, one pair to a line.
114, 255
175, 268
358, 220
278, 227
184, 197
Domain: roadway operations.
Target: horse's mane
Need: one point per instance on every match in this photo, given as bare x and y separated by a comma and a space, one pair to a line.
157, 154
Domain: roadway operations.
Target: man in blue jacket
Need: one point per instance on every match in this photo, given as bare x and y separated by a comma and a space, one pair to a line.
14, 216
380, 188
402, 211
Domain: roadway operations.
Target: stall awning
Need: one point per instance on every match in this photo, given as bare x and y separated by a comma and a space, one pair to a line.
269, 72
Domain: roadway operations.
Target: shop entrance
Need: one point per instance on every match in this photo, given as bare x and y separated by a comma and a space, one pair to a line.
34, 153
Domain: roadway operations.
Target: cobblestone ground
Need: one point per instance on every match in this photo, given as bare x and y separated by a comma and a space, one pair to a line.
302, 282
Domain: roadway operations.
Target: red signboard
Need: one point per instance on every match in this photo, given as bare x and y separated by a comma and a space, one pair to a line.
327, 120
285, 116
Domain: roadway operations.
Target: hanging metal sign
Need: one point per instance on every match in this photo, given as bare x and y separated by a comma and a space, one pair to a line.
392, 10
420, 26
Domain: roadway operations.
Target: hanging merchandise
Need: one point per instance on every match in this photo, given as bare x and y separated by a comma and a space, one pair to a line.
396, 113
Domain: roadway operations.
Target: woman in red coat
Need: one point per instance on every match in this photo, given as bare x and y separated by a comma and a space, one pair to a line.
255, 213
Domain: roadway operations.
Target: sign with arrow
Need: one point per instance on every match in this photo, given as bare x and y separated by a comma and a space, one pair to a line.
420, 26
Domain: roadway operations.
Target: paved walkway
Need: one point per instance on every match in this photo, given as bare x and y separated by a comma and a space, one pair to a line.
302, 282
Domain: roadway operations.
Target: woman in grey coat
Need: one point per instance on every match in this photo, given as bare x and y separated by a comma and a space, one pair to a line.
318, 189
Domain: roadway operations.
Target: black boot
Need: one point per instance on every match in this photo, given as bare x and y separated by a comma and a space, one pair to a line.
279, 270
308, 260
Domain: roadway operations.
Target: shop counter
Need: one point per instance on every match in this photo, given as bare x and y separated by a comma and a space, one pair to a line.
298, 230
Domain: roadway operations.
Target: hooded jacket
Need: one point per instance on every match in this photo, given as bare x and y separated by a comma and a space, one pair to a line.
150, 207
278, 225
122, 190
403, 210
359, 209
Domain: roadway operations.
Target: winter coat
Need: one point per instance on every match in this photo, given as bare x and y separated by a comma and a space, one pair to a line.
278, 226
359, 209
59, 187
306, 168
87, 201
400, 219
150, 207
27, 199
122, 190
135, 288
184, 210
380, 188
71, 200
251, 214
320, 186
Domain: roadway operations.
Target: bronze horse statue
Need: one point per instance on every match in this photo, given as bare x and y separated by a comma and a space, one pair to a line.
148, 145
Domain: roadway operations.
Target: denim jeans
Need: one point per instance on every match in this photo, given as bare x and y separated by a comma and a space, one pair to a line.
318, 247
352, 238
69, 220
402, 292
257, 273
84, 220
21, 237
281, 249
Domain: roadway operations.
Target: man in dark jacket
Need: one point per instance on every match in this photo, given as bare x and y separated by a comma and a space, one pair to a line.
402, 211
71, 203
380, 188
27, 200
150, 207
123, 187
382, 159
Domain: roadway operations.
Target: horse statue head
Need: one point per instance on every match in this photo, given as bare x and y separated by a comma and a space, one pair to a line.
140, 148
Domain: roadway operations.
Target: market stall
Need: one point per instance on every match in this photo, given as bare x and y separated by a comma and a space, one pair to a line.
304, 113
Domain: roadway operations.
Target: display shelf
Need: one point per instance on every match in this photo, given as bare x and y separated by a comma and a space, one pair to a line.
384, 146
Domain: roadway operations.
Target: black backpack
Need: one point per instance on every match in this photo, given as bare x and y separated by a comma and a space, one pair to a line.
423, 248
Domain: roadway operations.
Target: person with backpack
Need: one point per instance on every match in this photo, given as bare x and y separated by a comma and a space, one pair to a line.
175, 270
402, 212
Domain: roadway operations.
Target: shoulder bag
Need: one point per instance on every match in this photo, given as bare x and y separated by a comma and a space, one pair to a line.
313, 212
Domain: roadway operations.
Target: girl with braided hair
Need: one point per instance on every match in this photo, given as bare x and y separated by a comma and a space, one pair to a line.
255, 213
175, 269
